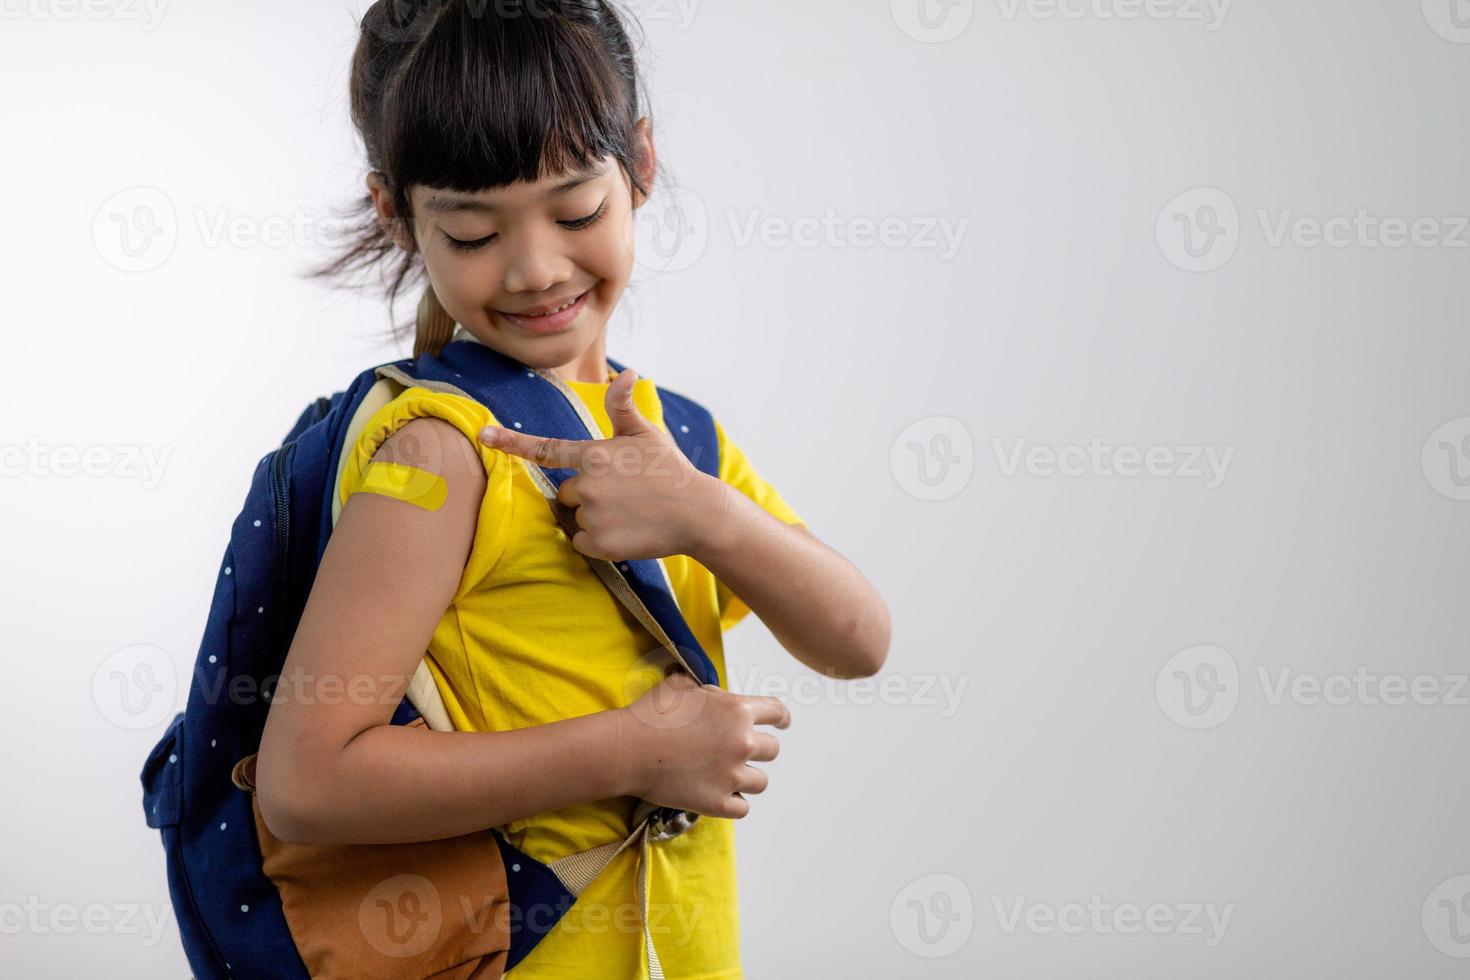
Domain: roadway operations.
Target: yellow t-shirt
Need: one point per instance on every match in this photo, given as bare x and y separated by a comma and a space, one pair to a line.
534, 636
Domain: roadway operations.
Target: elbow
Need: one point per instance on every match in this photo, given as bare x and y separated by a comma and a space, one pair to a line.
286, 806
868, 641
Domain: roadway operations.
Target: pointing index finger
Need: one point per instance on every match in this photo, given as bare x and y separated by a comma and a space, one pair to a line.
542, 450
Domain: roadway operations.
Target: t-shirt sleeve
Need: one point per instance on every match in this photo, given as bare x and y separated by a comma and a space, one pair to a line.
736, 470
493, 524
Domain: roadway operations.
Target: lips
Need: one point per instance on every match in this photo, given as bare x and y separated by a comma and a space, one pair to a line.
556, 316
545, 309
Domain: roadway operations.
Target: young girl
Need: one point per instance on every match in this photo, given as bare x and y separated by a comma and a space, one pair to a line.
508, 156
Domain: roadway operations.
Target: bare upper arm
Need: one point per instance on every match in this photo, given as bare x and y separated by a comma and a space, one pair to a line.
390, 569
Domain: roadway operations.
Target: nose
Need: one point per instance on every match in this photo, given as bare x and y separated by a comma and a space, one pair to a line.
536, 265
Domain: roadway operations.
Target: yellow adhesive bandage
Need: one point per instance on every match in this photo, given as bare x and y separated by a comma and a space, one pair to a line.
415, 486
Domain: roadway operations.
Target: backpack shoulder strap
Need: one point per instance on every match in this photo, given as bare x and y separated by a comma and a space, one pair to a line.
541, 402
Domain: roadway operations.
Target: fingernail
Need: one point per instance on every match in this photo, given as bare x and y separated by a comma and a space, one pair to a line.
490, 434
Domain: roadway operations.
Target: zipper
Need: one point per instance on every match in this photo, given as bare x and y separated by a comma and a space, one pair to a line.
281, 494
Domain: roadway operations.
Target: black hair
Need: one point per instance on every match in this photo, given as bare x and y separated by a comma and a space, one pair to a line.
475, 94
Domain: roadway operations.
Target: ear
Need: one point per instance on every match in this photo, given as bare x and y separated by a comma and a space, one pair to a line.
647, 157
387, 214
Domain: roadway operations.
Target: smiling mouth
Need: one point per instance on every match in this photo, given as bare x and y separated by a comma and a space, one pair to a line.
552, 312
551, 321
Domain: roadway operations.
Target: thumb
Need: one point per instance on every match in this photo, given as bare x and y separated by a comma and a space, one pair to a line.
621, 410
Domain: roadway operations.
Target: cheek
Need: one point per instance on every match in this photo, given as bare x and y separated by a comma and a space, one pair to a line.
462, 286
615, 249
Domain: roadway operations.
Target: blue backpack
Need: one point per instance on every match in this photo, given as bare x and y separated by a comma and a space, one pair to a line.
229, 912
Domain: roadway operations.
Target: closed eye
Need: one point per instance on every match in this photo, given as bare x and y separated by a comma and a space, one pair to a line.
576, 224
463, 246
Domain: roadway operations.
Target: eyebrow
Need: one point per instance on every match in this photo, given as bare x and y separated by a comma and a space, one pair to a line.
453, 204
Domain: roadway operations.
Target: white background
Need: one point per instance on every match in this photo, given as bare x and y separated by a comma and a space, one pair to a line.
1333, 542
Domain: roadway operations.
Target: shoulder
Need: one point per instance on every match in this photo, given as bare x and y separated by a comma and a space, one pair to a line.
432, 431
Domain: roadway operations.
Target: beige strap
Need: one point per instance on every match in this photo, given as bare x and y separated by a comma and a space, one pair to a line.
579, 870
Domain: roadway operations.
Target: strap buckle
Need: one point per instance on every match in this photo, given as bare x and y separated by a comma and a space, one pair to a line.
664, 822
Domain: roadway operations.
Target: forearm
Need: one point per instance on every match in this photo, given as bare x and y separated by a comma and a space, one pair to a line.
813, 600
394, 784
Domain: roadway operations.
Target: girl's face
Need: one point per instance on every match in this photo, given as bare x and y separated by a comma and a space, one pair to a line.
498, 258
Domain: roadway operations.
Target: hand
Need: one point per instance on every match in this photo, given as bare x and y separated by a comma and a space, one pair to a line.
688, 745
636, 494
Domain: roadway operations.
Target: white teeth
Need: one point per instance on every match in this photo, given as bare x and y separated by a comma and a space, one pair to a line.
555, 311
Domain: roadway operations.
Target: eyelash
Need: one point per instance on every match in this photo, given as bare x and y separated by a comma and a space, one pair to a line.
577, 224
